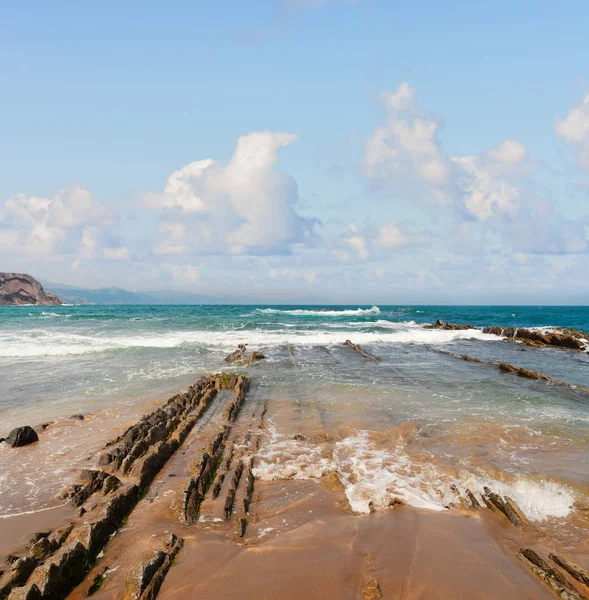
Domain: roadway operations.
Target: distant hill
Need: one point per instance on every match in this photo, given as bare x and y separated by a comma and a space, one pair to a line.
17, 289
112, 295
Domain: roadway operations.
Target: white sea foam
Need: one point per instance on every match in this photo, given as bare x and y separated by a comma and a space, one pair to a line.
49, 343
376, 476
286, 458
299, 312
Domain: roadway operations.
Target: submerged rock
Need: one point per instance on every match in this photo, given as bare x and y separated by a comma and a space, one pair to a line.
22, 436
240, 355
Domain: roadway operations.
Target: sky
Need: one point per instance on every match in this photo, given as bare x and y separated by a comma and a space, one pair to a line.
332, 151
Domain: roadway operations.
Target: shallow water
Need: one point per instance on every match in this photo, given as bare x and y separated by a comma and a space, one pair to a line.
405, 429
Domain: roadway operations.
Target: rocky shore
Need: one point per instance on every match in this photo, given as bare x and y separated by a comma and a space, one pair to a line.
174, 507
557, 338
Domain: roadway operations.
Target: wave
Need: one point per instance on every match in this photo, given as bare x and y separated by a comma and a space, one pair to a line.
299, 312
375, 478
49, 343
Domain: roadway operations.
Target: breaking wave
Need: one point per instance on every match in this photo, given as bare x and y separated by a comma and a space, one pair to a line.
299, 312
49, 343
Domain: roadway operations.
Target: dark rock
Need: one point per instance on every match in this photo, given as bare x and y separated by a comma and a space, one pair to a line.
361, 351
77, 417
256, 356
439, 324
572, 569
22, 436
59, 536
18, 574
62, 572
121, 504
552, 575
39, 535
94, 535
111, 483
95, 481
41, 549
237, 355
142, 575
242, 526
20, 288
566, 341
29, 592
299, 438
146, 579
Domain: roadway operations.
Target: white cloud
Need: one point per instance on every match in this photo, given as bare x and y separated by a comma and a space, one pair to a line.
358, 244
293, 274
508, 153
241, 207
484, 195
575, 130
391, 236
182, 273
406, 144
401, 98
70, 222
405, 154
121, 253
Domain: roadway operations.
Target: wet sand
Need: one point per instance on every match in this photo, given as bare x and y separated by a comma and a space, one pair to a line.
322, 552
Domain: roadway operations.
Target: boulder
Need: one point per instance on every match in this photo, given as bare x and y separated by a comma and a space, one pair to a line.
22, 436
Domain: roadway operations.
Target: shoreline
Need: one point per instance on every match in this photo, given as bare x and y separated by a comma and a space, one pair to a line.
255, 537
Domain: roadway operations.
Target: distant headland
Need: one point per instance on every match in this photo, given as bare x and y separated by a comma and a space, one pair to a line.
19, 288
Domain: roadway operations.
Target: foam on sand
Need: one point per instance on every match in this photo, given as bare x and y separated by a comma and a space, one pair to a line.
376, 477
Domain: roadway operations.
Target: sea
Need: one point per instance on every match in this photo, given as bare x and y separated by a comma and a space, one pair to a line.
405, 429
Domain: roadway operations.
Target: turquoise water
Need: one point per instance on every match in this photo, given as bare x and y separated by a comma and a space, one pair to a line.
106, 362
72, 357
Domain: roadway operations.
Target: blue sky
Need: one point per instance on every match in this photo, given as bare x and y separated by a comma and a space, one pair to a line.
359, 151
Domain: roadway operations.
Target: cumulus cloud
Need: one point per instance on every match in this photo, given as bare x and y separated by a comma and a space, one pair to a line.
406, 145
575, 130
393, 235
405, 156
244, 206
71, 222
405, 153
181, 273
483, 194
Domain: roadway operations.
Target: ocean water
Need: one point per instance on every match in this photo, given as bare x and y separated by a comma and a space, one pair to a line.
405, 429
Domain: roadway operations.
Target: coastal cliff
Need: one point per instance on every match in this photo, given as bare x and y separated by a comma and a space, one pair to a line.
20, 288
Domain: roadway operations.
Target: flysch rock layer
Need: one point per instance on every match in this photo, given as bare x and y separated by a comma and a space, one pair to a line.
106, 496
